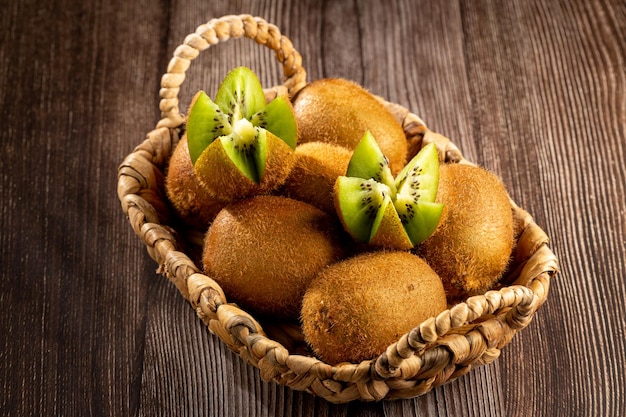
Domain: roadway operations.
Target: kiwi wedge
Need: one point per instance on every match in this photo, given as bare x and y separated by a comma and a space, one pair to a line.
265, 250
239, 144
193, 204
350, 313
383, 211
340, 111
472, 246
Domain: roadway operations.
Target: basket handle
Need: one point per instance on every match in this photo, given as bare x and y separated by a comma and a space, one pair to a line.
219, 30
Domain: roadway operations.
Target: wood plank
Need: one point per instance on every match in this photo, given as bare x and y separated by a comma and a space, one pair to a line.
558, 108
533, 90
73, 97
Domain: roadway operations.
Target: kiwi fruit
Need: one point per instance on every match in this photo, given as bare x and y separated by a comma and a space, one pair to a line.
340, 111
471, 247
354, 309
239, 145
378, 209
264, 251
312, 178
193, 204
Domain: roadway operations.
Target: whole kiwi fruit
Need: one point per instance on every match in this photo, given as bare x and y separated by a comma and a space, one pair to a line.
192, 202
313, 176
354, 309
264, 251
340, 111
471, 247
380, 210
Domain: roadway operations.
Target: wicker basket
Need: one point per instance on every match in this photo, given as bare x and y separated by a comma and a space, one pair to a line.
433, 353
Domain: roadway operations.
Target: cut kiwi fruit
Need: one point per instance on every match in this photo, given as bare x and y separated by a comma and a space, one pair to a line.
277, 117
361, 205
368, 161
193, 204
382, 211
416, 187
239, 145
350, 314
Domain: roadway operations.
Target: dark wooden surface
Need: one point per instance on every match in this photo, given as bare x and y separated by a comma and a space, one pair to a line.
534, 90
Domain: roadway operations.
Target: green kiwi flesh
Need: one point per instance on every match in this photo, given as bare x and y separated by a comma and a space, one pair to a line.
349, 313
361, 205
240, 95
204, 121
372, 205
277, 117
416, 186
368, 161
240, 123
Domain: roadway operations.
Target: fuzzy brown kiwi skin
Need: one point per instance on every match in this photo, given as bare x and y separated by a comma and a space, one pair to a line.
193, 204
264, 250
340, 111
312, 179
472, 246
230, 184
356, 308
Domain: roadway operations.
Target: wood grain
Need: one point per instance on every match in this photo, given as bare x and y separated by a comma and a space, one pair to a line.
533, 90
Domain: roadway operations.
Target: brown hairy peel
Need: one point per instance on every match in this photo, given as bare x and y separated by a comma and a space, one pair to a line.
356, 308
193, 203
471, 247
317, 166
264, 251
221, 177
340, 111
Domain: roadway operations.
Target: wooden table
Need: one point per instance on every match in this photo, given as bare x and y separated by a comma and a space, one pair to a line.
533, 90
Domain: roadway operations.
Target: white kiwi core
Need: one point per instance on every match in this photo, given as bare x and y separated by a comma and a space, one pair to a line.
244, 134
